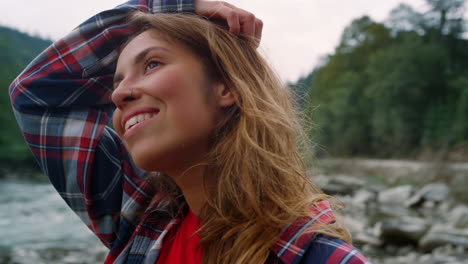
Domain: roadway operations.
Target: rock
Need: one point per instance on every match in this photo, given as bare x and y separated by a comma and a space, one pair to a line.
94, 254
364, 197
354, 225
367, 239
395, 196
418, 258
435, 258
410, 258
337, 189
388, 211
459, 214
441, 235
342, 185
319, 180
405, 250
458, 252
350, 181
402, 231
435, 192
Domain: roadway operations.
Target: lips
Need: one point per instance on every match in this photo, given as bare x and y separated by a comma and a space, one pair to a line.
135, 117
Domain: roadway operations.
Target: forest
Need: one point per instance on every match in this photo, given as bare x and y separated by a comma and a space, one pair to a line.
16, 51
391, 89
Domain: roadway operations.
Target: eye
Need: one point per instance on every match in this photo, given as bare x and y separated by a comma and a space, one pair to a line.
151, 64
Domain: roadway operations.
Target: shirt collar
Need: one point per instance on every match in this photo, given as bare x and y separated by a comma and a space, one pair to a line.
293, 243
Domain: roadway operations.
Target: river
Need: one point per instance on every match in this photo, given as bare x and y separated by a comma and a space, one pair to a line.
36, 226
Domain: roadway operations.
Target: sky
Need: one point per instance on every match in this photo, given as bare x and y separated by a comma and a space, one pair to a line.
296, 34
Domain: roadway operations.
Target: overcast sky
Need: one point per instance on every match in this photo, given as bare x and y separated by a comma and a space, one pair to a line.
296, 32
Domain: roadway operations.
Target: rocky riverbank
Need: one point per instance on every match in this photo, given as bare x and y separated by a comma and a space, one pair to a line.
398, 223
395, 211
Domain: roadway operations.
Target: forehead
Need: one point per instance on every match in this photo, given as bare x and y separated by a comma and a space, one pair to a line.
146, 39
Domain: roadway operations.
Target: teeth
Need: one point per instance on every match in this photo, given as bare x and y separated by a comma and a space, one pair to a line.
138, 118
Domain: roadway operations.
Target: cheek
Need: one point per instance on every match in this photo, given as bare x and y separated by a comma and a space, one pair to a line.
190, 112
170, 84
195, 120
176, 80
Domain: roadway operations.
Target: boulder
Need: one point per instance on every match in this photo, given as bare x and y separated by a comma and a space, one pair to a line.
402, 231
337, 189
459, 214
440, 235
434, 192
437, 192
367, 239
364, 197
353, 182
395, 196
342, 185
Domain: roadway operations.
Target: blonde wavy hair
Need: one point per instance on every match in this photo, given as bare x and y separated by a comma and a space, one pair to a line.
261, 180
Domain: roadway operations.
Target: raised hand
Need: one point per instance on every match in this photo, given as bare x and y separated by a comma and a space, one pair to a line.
239, 20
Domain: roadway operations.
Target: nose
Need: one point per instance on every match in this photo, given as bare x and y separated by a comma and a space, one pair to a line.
122, 95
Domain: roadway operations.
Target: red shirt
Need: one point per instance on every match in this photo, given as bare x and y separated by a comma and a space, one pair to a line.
181, 244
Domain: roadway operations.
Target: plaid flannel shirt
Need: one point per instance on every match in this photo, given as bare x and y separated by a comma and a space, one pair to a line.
62, 104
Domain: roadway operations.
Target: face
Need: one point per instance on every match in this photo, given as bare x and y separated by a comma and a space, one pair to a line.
168, 121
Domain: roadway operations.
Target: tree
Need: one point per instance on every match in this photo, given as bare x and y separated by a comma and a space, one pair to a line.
405, 19
355, 34
16, 51
404, 81
336, 96
446, 16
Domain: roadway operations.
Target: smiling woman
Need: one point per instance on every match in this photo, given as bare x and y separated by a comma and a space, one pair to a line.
203, 165
166, 83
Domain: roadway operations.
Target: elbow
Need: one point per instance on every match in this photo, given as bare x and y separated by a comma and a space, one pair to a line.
14, 92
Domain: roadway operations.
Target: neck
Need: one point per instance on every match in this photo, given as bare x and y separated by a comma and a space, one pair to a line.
190, 181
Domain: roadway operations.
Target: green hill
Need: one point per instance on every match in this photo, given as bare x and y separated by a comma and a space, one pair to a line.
397, 89
17, 49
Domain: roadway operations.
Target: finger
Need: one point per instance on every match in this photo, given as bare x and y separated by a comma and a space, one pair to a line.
258, 29
233, 23
228, 5
238, 20
247, 21
231, 16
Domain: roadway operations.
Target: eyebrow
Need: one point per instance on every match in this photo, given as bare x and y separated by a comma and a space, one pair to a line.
138, 59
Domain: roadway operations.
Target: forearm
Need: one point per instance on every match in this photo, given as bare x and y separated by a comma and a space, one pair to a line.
62, 104
77, 69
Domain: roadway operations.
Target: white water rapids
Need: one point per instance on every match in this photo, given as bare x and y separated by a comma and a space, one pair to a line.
36, 226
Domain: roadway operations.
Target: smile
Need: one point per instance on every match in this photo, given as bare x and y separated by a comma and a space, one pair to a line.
134, 120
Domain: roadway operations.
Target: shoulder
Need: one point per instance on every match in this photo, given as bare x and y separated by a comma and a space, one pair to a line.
328, 250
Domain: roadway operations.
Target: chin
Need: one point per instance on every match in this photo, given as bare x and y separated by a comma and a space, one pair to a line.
155, 163
166, 158
147, 164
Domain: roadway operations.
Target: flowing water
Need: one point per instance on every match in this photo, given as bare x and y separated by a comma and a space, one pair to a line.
36, 226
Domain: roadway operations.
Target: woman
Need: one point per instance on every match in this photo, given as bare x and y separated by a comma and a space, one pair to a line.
202, 166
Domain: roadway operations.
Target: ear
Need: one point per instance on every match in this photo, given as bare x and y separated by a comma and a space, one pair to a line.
223, 94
